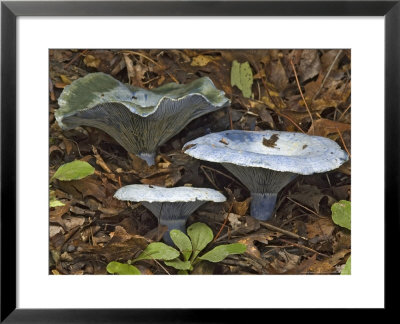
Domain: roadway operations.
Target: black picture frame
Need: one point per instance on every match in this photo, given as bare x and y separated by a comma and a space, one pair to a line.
10, 10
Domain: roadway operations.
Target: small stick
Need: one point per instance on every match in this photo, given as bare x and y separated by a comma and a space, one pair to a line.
278, 229
158, 263
301, 93
344, 112
52, 95
209, 178
303, 247
345, 147
119, 182
282, 115
306, 208
223, 225
78, 55
230, 117
225, 175
293, 218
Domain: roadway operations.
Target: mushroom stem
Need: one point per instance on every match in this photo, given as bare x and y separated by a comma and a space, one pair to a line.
262, 205
178, 223
148, 157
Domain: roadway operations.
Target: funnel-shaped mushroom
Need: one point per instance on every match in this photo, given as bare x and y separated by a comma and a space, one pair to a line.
267, 161
172, 206
138, 119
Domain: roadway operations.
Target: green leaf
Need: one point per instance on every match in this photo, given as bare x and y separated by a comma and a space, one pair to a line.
56, 203
222, 251
201, 235
73, 171
347, 268
182, 242
158, 251
122, 268
53, 200
183, 272
242, 77
179, 264
341, 213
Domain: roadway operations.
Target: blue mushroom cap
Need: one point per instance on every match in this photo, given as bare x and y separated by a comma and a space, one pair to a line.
279, 151
267, 161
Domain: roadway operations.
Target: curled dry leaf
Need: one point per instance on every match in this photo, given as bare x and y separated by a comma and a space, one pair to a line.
324, 127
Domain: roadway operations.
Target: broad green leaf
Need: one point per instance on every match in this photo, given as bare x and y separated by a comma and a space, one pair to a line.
242, 77
122, 268
201, 235
347, 268
182, 242
220, 252
73, 171
179, 264
183, 272
158, 251
341, 213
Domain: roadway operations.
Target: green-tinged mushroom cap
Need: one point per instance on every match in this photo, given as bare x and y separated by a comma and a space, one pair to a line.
138, 119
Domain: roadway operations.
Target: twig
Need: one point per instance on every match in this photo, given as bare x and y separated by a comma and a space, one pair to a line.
293, 218
230, 117
51, 88
344, 112
278, 229
304, 247
223, 174
282, 115
223, 225
327, 74
209, 178
78, 55
301, 93
157, 263
344, 144
162, 266
306, 208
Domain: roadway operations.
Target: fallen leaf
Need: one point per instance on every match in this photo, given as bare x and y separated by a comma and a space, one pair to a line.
327, 265
202, 60
242, 77
57, 213
324, 127
65, 79
277, 75
310, 64
91, 61
322, 227
241, 207
311, 197
234, 221
271, 142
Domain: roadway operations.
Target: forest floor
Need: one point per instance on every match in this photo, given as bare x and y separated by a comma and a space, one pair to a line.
306, 91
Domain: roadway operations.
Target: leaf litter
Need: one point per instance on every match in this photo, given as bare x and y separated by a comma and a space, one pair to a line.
92, 228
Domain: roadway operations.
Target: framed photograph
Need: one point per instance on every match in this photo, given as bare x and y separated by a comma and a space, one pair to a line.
175, 155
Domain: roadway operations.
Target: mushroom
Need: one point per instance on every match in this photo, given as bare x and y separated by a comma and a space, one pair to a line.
172, 206
267, 161
138, 119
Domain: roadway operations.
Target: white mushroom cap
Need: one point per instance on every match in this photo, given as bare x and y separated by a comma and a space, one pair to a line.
147, 193
280, 151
